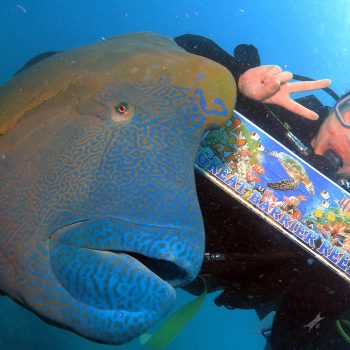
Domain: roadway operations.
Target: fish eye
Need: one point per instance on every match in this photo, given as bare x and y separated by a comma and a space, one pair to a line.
122, 108
123, 112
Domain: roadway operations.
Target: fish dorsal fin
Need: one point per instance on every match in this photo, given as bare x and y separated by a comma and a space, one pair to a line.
36, 59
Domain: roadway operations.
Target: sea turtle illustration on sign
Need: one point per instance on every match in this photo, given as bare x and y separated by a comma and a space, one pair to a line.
296, 174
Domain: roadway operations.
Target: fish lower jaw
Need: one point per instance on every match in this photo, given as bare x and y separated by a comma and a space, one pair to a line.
112, 291
105, 279
159, 250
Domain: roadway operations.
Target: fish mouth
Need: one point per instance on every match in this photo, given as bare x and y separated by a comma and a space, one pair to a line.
112, 280
109, 297
116, 274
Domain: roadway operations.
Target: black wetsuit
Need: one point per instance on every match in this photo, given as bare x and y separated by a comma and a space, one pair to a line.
256, 266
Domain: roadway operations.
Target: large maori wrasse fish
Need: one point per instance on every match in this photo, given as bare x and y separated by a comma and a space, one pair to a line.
99, 218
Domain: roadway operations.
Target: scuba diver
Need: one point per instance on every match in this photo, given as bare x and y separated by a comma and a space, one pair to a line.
253, 266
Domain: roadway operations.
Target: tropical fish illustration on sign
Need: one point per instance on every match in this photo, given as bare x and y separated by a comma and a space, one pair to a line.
99, 218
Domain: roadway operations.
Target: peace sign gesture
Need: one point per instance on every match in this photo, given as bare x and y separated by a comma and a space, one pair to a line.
269, 84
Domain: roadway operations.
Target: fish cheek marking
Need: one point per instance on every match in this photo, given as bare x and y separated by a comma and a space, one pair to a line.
92, 108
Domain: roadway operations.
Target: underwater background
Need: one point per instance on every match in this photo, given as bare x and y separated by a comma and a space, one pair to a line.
307, 37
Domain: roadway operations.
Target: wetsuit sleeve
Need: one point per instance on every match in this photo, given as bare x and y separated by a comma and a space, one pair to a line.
246, 56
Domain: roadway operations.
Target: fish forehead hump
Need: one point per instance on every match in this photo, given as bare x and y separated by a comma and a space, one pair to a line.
84, 71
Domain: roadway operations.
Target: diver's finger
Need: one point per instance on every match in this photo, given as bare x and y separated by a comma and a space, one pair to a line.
297, 108
308, 85
264, 91
283, 77
270, 71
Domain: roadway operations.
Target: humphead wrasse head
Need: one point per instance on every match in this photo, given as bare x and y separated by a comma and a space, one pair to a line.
99, 218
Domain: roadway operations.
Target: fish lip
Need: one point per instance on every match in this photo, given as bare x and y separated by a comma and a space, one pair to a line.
151, 304
111, 218
136, 253
52, 248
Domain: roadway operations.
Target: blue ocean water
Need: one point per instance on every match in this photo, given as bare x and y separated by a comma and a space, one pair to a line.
308, 37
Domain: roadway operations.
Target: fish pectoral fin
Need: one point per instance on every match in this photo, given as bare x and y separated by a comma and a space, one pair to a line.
284, 185
144, 338
168, 331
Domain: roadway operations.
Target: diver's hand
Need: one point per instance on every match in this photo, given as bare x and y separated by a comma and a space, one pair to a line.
269, 84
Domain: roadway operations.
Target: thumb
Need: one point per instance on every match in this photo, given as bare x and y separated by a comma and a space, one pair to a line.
269, 88
262, 92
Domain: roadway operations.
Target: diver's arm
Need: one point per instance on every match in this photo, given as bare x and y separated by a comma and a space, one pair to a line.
245, 56
269, 84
